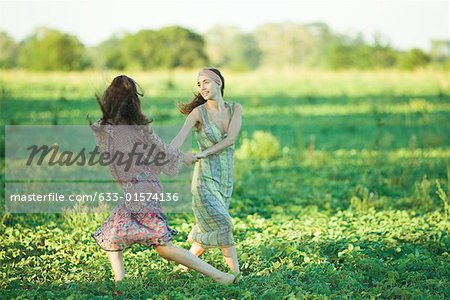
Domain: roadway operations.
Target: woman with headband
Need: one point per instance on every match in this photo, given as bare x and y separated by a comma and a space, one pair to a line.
216, 124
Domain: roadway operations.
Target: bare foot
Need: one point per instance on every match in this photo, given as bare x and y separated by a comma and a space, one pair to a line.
183, 268
225, 279
119, 277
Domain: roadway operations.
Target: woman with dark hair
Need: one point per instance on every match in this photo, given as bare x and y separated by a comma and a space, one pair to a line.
140, 222
216, 124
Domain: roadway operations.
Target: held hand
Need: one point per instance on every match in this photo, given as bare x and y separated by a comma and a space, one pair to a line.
200, 155
189, 159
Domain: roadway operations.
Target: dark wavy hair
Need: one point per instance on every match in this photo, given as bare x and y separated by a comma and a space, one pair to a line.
120, 103
186, 108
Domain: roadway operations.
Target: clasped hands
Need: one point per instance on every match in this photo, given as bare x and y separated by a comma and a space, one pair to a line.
191, 158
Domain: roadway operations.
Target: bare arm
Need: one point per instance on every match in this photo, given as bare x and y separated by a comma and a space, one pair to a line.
233, 131
164, 157
191, 119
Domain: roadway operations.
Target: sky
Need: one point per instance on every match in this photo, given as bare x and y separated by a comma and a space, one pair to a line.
406, 24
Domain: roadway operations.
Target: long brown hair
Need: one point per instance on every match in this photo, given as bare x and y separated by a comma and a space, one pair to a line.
186, 108
120, 103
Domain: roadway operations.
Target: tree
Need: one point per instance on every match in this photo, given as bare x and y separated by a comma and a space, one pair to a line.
413, 59
181, 47
286, 44
219, 40
323, 39
244, 53
169, 47
8, 51
440, 50
339, 56
49, 49
354, 52
110, 53
228, 46
140, 50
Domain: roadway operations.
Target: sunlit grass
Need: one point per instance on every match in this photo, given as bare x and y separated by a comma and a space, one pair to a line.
250, 85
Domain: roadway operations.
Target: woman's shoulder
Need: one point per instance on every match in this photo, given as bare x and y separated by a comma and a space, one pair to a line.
200, 107
232, 102
195, 113
101, 125
234, 105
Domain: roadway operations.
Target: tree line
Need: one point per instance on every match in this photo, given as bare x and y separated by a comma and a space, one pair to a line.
271, 45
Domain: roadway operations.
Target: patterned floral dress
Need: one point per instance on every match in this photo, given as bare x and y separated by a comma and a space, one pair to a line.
135, 222
212, 186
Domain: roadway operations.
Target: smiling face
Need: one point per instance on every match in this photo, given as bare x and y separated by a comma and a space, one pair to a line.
207, 88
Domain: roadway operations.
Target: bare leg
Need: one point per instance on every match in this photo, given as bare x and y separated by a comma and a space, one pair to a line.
230, 255
184, 257
197, 250
116, 260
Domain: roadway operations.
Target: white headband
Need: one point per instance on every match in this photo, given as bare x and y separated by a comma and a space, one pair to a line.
211, 74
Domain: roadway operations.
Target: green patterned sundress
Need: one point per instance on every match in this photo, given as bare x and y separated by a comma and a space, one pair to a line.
212, 186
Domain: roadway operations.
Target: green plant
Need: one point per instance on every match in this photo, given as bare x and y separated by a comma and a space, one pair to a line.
444, 198
262, 145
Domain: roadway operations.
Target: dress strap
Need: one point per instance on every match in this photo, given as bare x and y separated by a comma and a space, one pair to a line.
204, 115
230, 110
206, 124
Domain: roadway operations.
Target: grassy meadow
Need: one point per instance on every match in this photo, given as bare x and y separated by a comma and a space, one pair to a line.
341, 189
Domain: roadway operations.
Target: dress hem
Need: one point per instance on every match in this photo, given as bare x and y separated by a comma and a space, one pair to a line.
204, 246
168, 237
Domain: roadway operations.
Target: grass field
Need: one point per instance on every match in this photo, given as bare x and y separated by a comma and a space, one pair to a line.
341, 190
